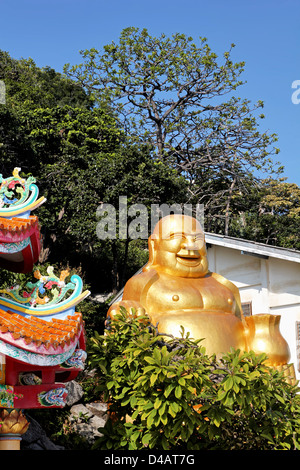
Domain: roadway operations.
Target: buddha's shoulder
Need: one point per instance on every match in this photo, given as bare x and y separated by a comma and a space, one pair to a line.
140, 280
225, 282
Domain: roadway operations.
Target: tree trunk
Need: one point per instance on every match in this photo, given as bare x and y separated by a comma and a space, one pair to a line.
114, 271
227, 209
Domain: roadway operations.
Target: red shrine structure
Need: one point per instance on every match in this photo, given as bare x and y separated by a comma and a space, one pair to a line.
42, 339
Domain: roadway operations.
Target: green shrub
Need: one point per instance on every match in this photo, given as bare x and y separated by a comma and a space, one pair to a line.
166, 393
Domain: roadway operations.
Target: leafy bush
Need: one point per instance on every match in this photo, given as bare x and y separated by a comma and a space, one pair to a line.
166, 393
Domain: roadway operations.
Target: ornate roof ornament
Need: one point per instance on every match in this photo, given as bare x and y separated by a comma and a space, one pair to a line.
47, 296
19, 230
18, 196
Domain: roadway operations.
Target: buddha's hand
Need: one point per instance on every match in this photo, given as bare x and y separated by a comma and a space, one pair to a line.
131, 308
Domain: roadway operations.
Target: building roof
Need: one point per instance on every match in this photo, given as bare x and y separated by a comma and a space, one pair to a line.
40, 335
253, 248
17, 229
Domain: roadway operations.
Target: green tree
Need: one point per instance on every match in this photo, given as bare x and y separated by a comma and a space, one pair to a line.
30, 86
270, 214
80, 158
180, 97
165, 84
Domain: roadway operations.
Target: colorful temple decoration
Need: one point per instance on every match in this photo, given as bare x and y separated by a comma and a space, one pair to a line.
18, 196
42, 341
48, 295
42, 338
19, 230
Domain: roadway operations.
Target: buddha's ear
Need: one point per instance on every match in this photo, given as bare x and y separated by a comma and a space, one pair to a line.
151, 254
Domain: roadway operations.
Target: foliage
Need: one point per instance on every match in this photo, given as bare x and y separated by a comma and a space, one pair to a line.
33, 87
179, 96
166, 393
80, 158
269, 214
166, 83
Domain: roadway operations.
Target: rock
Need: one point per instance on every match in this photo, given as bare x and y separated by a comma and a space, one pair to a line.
89, 430
80, 412
101, 298
75, 392
97, 422
97, 408
84, 430
86, 419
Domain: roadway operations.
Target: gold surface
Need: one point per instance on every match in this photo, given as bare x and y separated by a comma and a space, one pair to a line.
13, 425
176, 288
263, 335
13, 422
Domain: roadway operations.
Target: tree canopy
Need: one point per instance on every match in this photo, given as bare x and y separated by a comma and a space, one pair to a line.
80, 157
182, 98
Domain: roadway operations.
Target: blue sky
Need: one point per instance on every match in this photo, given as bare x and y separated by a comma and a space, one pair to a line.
266, 34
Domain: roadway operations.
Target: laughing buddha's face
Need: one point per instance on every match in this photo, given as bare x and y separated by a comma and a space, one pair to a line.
178, 246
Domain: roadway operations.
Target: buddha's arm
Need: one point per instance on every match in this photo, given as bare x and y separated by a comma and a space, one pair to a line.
133, 296
225, 282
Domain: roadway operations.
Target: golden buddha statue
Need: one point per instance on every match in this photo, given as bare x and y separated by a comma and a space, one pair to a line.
176, 289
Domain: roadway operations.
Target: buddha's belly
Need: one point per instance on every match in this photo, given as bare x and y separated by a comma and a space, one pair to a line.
220, 331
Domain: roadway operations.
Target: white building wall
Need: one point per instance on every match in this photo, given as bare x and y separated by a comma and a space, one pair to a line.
271, 284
